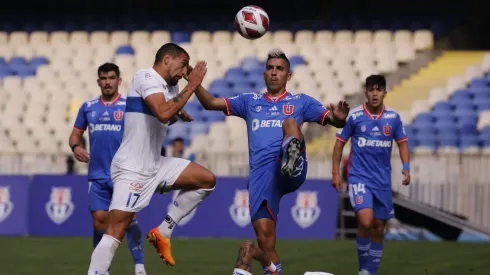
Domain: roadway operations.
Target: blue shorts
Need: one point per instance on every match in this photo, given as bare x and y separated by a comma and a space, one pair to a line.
267, 186
100, 194
381, 201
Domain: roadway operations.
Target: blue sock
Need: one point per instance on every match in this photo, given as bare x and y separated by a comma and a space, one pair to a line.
97, 236
278, 268
135, 242
375, 254
363, 245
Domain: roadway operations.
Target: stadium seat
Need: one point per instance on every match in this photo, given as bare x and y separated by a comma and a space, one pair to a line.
478, 82
117, 38
125, 49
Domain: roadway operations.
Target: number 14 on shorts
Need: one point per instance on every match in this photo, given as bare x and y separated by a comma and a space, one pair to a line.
132, 199
356, 193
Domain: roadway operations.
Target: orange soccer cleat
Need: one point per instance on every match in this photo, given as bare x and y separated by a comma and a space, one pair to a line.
162, 245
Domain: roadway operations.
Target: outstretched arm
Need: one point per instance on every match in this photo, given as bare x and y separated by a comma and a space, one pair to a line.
338, 114
208, 101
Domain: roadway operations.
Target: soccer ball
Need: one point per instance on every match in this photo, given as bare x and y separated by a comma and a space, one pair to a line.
252, 22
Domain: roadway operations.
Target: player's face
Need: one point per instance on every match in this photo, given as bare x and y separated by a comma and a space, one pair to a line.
108, 83
177, 146
276, 74
178, 68
375, 95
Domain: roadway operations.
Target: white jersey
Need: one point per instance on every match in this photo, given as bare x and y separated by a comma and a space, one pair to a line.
143, 132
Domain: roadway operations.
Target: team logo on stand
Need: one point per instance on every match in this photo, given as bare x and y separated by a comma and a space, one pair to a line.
60, 207
6, 206
239, 210
306, 210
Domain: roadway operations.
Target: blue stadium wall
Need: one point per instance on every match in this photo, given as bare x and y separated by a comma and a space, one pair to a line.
46, 205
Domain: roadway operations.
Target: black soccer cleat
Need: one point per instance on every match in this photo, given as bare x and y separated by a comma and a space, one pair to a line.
290, 157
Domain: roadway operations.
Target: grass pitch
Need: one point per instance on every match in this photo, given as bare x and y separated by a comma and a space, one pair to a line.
71, 256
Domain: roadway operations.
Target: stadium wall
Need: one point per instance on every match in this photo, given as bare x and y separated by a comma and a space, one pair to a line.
57, 205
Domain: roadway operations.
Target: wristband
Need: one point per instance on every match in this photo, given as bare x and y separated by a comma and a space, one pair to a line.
406, 166
73, 147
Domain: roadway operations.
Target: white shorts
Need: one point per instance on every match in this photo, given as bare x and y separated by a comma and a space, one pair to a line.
133, 191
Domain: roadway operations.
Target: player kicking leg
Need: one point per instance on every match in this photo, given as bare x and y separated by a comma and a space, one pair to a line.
248, 252
138, 169
372, 128
273, 122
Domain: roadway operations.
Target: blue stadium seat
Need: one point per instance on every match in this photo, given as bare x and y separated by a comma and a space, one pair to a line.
446, 128
408, 129
125, 49
215, 116
444, 116
236, 78
181, 37
467, 126
424, 128
2, 60
482, 104
296, 60
199, 128
442, 105
17, 60
38, 61
250, 63
242, 83
4, 73
412, 143
257, 72
478, 82
427, 140
220, 83
238, 90
480, 93
235, 71
178, 129
448, 140
461, 95
23, 70
197, 114
220, 92
465, 105
256, 80
424, 117
193, 105
469, 140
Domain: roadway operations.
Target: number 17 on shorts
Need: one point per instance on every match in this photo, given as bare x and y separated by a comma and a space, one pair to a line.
132, 199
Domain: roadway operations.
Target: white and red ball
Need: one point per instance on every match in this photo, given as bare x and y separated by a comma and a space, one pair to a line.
252, 22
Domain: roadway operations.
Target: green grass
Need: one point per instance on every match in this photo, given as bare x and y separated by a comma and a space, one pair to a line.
70, 256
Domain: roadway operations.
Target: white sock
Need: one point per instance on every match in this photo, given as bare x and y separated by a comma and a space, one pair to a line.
139, 268
184, 203
102, 255
238, 271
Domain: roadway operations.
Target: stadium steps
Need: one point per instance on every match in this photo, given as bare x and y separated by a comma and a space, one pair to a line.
435, 74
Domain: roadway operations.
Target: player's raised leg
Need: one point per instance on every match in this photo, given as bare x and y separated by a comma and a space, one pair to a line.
248, 252
292, 138
195, 183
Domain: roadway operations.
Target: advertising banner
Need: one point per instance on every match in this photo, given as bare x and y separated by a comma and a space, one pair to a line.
14, 201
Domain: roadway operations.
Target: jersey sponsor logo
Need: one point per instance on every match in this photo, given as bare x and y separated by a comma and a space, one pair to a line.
187, 218
6, 206
287, 109
363, 142
306, 210
266, 123
60, 207
104, 127
389, 116
121, 103
239, 210
387, 130
118, 115
92, 102
356, 115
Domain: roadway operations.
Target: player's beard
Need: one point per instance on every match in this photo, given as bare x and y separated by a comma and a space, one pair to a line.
109, 91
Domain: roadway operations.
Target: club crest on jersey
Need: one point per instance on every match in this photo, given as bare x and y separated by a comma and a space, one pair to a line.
93, 113
359, 199
258, 108
287, 109
6, 206
239, 210
118, 115
60, 207
306, 210
363, 128
387, 130
186, 218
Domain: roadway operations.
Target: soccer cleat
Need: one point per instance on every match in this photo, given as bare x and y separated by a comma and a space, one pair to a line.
162, 245
290, 157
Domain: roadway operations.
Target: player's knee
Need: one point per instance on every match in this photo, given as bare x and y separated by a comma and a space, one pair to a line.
100, 220
266, 241
365, 225
289, 123
208, 180
377, 229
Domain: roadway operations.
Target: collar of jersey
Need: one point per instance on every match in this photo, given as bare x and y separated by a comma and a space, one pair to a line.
369, 114
159, 77
277, 99
110, 103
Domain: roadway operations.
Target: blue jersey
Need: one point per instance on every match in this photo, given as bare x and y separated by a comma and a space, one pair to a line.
372, 138
105, 125
264, 116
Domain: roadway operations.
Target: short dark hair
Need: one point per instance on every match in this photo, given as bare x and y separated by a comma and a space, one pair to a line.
178, 139
108, 67
169, 48
277, 53
375, 79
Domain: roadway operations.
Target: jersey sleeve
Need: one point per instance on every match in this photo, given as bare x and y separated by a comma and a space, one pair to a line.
345, 133
400, 134
148, 85
236, 105
81, 120
314, 111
